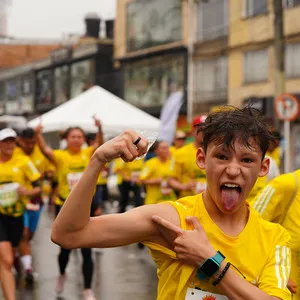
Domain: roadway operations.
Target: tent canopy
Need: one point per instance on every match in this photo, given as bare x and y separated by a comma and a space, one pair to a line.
115, 114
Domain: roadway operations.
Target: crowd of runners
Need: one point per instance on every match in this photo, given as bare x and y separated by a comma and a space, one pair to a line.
226, 173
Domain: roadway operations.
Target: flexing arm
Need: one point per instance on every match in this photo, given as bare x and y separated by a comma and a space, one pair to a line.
46, 150
74, 228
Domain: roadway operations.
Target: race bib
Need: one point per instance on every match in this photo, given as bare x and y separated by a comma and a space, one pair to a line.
164, 189
8, 194
73, 178
194, 294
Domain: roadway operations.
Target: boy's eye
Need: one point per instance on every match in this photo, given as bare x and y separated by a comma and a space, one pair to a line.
247, 160
222, 157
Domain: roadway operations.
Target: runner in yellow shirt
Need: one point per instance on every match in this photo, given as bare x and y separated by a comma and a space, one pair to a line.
179, 141
70, 165
186, 177
28, 148
279, 202
19, 181
130, 174
117, 163
209, 246
155, 174
274, 150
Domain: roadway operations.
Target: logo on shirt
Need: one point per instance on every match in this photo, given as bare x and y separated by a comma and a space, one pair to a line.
15, 170
209, 298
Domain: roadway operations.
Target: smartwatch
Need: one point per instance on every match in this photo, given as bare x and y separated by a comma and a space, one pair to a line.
210, 266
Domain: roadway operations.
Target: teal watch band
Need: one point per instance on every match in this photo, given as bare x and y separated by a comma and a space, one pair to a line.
210, 266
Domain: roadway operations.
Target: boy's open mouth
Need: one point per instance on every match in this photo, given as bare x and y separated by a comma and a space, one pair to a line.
230, 194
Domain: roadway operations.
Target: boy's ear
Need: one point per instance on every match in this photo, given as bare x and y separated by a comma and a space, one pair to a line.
200, 158
264, 169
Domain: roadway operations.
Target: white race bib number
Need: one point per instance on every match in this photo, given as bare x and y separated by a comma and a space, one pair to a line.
193, 294
8, 194
73, 178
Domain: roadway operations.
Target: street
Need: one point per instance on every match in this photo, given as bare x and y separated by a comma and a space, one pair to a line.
119, 273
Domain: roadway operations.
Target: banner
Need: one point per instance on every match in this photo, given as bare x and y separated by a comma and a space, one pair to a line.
169, 115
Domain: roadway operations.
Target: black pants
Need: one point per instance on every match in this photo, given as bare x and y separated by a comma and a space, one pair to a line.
87, 264
125, 188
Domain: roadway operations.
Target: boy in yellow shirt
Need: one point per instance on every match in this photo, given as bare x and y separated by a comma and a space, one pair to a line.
155, 174
208, 246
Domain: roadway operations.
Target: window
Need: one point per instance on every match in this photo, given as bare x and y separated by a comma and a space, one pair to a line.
211, 80
212, 19
82, 75
13, 93
27, 98
2, 97
292, 60
290, 3
149, 82
254, 7
61, 82
44, 89
256, 66
153, 23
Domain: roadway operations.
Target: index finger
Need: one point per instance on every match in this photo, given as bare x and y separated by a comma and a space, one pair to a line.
168, 225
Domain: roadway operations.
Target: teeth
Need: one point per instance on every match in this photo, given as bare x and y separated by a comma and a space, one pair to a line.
230, 185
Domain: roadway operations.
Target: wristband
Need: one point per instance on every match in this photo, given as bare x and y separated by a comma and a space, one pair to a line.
217, 281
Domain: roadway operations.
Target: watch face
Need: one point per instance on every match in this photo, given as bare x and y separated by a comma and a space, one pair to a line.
209, 268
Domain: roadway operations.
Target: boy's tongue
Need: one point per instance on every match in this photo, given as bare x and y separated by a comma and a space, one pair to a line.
230, 197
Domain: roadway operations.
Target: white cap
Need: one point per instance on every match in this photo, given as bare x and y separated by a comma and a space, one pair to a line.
7, 133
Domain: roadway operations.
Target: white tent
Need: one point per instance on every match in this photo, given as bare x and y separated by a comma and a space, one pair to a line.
115, 114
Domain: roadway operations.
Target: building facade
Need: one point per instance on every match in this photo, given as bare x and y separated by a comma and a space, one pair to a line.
210, 55
251, 60
151, 50
39, 86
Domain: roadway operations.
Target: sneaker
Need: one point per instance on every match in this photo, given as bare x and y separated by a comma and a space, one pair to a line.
88, 295
60, 282
29, 277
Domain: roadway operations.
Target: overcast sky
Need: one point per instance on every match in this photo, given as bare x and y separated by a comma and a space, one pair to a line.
52, 18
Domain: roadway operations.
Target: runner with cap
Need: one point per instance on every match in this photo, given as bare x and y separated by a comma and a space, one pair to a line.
19, 181
186, 178
208, 246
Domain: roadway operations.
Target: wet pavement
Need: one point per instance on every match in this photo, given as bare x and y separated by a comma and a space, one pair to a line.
119, 274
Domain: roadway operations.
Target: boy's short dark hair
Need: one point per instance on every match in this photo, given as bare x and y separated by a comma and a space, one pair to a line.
231, 123
27, 133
